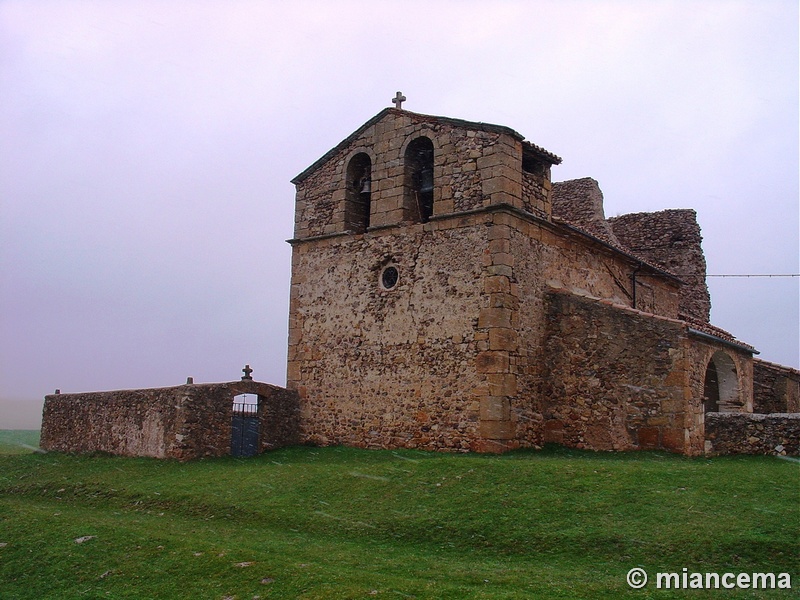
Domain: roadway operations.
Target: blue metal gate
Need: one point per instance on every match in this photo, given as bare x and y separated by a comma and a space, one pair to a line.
245, 430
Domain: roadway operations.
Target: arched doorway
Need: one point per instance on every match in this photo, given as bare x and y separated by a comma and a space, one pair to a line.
245, 425
721, 384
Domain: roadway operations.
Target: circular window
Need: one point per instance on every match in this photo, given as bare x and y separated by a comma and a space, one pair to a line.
389, 277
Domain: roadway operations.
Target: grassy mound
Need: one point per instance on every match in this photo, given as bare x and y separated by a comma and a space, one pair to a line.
343, 523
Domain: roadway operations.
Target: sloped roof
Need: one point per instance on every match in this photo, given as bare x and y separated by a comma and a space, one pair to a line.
703, 329
472, 125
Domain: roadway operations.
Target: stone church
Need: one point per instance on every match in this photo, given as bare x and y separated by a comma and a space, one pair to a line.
446, 294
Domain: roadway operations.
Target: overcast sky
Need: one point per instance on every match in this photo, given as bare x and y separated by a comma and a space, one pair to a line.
146, 150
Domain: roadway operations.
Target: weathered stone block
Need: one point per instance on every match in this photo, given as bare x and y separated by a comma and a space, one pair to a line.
496, 283
503, 338
497, 430
494, 317
502, 384
293, 371
648, 437
500, 246
495, 409
497, 185
674, 439
443, 207
503, 258
505, 270
495, 159
500, 231
492, 361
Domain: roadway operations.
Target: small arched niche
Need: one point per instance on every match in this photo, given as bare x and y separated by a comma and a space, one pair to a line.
358, 193
418, 180
721, 384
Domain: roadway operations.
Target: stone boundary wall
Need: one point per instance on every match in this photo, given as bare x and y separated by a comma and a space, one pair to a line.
776, 389
182, 422
616, 378
747, 433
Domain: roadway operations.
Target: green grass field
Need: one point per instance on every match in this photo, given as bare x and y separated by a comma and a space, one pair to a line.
18, 441
317, 523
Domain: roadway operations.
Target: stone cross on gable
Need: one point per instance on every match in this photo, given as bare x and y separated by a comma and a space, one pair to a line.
398, 100
247, 370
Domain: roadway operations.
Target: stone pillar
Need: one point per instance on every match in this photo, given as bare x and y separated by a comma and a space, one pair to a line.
498, 349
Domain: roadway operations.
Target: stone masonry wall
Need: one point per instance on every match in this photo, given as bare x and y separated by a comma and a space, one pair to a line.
537, 194
451, 357
128, 422
183, 422
614, 378
543, 255
776, 389
390, 368
743, 433
671, 239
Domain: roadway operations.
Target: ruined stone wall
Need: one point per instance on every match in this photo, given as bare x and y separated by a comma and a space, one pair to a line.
614, 378
668, 239
279, 410
389, 368
776, 389
671, 239
183, 422
743, 433
580, 202
564, 258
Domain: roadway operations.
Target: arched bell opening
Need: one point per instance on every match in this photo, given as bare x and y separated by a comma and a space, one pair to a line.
418, 181
358, 193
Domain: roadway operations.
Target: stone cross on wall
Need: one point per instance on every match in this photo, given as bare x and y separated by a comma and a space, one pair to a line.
247, 370
398, 100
